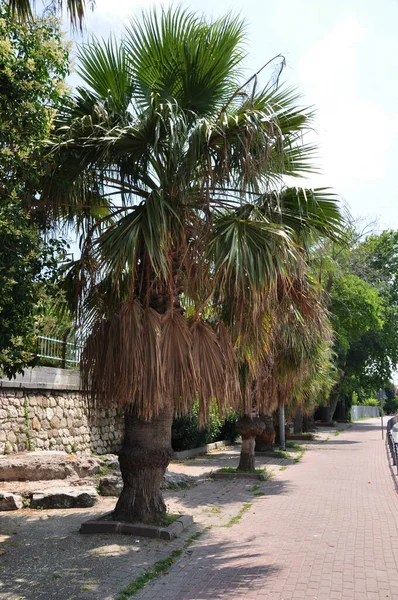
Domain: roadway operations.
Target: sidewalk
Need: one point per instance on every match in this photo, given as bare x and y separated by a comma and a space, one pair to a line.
326, 529
315, 530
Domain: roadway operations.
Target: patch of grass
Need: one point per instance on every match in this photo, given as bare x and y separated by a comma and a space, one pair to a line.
160, 567
165, 520
259, 494
283, 468
213, 509
299, 457
234, 470
56, 576
255, 487
271, 474
104, 471
281, 454
292, 444
238, 517
336, 433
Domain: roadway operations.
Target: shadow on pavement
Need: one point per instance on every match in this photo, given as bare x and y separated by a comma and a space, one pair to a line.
44, 557
230, 566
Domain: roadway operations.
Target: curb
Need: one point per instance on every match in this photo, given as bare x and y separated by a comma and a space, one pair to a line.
103, 525
259, 476
201, 450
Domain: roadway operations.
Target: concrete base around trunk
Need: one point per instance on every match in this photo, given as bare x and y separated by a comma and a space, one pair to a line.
104, 524
239, 475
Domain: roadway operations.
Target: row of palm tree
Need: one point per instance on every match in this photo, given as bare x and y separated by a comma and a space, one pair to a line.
193, 280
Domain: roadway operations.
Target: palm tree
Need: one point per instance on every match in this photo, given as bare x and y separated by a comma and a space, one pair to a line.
76, 9
295, 364
178, 165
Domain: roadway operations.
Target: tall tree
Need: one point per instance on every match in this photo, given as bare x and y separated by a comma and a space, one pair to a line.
362, 296
33, 64
189, 160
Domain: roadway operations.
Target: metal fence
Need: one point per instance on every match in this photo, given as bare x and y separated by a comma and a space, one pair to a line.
392, 440
359, 411
64, 353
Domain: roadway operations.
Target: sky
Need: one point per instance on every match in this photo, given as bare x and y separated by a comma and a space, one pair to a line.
342, 55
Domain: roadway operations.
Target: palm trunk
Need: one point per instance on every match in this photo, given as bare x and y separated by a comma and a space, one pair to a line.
298, 422
246, 462
326, 412
248, 428
146, 451
308, 422
265, 440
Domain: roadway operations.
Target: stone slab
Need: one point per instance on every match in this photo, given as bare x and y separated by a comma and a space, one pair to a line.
46, 465
64, 497
103, 524
10, 501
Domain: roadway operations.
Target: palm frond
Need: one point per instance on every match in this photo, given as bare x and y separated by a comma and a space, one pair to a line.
75, 8
178, 56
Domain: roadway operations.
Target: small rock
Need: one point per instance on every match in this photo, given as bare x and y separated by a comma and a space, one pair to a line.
10, 501
111, 485
46, 465
65, 497
111, 461
175, 481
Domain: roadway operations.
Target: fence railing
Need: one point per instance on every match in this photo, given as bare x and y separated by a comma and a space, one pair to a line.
63, 352
392, 440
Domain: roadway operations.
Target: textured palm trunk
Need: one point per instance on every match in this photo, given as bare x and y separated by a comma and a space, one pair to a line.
308, 422
146, 451
247, 456
298, 422
265, 440
248, 428
326, 412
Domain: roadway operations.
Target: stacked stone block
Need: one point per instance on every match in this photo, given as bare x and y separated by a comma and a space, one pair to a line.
56, 420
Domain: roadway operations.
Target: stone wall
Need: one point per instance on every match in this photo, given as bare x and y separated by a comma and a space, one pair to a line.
37, 414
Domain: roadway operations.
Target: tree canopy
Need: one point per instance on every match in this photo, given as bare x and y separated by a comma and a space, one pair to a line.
33, 64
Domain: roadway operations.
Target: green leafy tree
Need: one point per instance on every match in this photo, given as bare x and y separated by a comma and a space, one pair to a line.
361, 284
189, 161
33, 64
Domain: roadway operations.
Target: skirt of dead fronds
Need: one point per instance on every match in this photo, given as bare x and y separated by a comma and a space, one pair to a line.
144, 360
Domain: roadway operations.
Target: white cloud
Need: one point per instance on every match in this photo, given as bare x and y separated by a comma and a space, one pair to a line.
108, 16
355, 135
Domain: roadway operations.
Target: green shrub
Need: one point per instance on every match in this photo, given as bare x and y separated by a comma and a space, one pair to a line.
228, 427
370, 402
187, 434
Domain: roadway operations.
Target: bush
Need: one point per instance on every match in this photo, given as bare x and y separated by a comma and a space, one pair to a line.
228, 428
187, 434
370, 402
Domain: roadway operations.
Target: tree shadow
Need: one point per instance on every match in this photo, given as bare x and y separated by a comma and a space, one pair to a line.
45, 558
337, 442
213, 569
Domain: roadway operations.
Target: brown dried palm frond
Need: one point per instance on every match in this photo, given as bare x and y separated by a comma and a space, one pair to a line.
216, 378
177, 362
232, 397
153, 384
112, 362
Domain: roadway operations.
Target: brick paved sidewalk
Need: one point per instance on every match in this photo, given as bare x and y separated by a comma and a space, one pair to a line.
43, 556
326, 529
